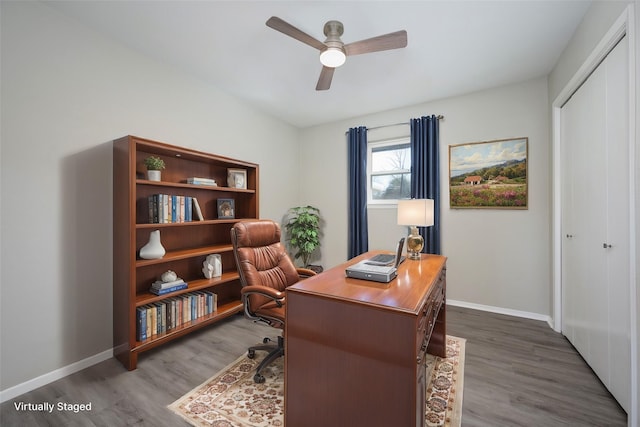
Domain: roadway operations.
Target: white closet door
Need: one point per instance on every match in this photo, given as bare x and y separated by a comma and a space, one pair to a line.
584, 126
570, 258
595, 222
618, 233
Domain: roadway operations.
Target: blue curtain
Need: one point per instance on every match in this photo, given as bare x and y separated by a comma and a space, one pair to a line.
357, 157
425, 174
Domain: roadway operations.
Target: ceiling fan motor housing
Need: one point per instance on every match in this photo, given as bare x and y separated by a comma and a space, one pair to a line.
333, 28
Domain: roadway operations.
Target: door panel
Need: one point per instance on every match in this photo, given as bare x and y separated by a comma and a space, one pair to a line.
570, 295
585, 131
618, 236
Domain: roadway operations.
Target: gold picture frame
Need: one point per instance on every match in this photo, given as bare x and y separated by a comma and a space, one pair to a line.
489, 174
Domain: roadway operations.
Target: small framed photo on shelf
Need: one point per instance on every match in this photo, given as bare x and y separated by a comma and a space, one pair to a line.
226, 208
237, 178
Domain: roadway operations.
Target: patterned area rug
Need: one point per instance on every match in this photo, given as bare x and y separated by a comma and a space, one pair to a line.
232, 399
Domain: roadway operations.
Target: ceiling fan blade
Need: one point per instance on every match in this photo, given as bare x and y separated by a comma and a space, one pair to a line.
376, 44
324, 82
288, 29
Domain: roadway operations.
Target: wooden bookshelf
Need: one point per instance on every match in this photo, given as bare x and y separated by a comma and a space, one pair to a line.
187, 244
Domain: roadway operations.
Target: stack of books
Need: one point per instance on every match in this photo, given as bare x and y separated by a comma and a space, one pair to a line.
174, 312
202, 181
167, 208
160, 288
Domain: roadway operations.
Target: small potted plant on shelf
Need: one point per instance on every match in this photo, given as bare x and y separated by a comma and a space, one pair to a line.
154, 166
303, 233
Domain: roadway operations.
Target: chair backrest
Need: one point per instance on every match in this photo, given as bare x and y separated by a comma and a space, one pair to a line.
261, 257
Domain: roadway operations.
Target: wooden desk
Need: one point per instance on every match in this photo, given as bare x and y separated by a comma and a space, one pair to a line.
355, 350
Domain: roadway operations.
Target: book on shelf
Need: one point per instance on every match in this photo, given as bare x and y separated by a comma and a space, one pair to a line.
153, 209
188, 211
175, 209
160, 328
168, 314
177, 308
159, 284
165, 291
141, 324
196, 208
202, 181
154, 320
164, 209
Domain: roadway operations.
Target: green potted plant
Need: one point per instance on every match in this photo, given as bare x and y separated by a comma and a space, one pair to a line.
303, 232
154, 165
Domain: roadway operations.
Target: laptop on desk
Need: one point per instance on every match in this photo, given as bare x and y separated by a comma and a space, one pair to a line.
379, 268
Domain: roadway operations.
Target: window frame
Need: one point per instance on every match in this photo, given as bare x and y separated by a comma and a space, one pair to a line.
371, 146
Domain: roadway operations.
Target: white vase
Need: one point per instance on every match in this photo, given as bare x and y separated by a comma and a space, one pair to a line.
154, 175
153, 249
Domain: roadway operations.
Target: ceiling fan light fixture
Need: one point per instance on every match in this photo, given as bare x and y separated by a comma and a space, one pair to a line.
333, 57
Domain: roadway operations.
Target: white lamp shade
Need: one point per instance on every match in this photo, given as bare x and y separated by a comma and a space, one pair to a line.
417, 212
332, 57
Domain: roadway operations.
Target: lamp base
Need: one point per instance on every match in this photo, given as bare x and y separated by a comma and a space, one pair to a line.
415, 243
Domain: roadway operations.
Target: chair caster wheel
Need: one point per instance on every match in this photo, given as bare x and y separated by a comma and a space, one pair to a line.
251, 354
266, 340
258, 379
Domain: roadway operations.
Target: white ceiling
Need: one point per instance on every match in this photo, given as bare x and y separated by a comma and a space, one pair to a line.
454, 47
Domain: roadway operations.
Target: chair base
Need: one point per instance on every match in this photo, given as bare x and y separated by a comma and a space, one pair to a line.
275, 351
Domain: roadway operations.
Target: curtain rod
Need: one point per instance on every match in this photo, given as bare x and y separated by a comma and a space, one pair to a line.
439, 117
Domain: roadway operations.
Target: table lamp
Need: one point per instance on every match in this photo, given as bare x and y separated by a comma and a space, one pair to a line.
415, 213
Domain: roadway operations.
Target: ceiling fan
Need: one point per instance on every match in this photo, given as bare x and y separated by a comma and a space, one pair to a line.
333, 52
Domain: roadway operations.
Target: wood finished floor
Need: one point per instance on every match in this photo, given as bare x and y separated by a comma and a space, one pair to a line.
518, 372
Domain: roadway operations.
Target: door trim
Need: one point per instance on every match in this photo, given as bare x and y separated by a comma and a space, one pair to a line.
624, 25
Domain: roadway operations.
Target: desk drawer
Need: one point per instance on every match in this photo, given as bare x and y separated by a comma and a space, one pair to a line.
427, 319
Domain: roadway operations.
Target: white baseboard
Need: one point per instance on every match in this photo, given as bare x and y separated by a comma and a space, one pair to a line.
500, 310
52, 376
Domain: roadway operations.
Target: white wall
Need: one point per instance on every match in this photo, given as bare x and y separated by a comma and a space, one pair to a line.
66, 93
497, 258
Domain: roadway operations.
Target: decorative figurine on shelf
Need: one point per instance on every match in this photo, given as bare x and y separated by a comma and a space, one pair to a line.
153, 249
212, 266
169, 276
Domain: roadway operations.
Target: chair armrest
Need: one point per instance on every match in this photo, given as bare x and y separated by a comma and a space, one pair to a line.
305, 272
264, 291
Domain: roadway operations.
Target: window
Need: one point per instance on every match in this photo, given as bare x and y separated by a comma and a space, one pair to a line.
388, 171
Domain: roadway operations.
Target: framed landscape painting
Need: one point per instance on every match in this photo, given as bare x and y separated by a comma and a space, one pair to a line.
489, 174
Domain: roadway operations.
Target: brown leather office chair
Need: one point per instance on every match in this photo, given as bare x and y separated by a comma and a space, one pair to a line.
265, 272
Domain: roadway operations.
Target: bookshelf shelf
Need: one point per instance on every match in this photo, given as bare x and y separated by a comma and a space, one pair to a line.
190, 224
185, 254
193, 186
143, 298
187, 243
